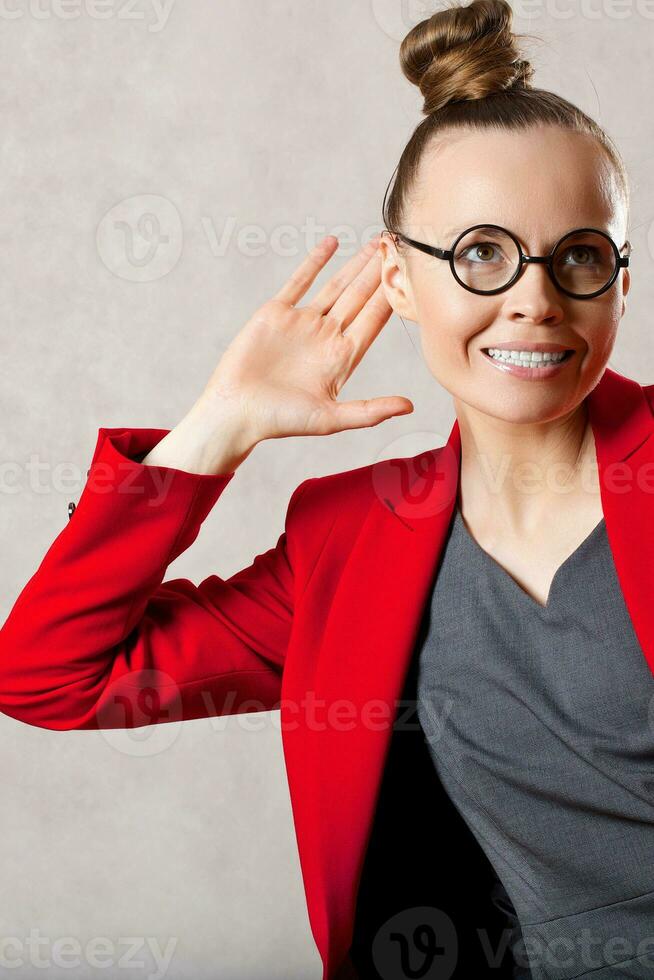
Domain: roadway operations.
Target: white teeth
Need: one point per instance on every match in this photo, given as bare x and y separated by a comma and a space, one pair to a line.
527, 358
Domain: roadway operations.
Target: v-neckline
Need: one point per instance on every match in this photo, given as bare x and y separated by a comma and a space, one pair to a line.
526, 597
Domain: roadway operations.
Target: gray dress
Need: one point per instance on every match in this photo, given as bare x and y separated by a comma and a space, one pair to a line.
540, 724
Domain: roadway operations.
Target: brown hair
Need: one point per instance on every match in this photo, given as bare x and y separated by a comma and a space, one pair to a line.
468, 67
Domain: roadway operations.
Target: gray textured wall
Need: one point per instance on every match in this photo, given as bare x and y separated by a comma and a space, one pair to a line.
229, 121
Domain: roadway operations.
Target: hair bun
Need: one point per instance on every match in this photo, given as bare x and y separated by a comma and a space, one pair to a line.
464, 53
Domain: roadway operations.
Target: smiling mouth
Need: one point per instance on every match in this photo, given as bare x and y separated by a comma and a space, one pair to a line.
534, 357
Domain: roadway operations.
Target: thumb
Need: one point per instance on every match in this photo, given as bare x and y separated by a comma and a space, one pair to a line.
365, 412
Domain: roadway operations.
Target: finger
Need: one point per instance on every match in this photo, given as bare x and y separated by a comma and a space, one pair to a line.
368, 324
294, 288
353, 299
366, 412
332, 289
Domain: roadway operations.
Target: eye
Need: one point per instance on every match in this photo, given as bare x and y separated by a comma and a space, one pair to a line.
483, 250
582, 255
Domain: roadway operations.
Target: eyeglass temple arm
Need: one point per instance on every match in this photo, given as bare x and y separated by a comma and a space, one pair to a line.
439, 253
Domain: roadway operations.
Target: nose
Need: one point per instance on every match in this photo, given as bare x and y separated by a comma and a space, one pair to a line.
534, 297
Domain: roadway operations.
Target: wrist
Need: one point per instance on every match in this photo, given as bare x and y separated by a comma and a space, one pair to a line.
212, 438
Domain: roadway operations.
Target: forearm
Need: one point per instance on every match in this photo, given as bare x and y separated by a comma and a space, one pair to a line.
81, 622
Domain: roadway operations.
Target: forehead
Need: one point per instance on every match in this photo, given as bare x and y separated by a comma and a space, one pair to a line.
538, 183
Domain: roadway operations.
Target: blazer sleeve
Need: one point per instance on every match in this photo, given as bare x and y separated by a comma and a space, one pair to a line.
96, 639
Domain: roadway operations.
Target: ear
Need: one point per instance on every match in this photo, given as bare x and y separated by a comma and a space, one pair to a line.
394, 278
626, 284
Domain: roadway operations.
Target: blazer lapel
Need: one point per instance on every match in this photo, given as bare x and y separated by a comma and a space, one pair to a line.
365, 654
622, 422
373, 622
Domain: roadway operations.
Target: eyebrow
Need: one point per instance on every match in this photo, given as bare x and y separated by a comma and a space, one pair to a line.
452, 233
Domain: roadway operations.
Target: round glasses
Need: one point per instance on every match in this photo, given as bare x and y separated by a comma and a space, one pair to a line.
488, 259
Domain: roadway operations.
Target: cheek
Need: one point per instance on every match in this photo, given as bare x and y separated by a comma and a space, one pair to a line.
599, 329
449, 349
451, 322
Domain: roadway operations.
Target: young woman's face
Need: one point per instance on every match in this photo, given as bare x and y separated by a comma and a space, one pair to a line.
538, 184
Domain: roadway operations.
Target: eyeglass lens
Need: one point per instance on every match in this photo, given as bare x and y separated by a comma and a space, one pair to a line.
487, 259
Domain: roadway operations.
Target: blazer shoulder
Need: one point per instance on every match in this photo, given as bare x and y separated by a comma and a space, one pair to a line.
349, 491
649, 392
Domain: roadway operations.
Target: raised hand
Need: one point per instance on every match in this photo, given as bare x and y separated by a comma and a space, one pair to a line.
286, 366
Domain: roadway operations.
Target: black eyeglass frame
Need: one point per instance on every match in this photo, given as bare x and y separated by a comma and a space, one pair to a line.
621, 261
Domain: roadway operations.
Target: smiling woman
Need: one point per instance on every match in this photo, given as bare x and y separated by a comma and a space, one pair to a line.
498, 586
500, 177
531, 181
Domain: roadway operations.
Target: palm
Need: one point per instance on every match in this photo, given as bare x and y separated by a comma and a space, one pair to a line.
289, 363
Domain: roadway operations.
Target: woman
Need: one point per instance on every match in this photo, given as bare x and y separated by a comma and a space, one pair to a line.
474, 582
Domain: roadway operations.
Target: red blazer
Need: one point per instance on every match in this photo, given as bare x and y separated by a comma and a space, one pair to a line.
322, 625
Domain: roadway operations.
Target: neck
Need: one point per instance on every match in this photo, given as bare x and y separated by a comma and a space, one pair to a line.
521, 474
